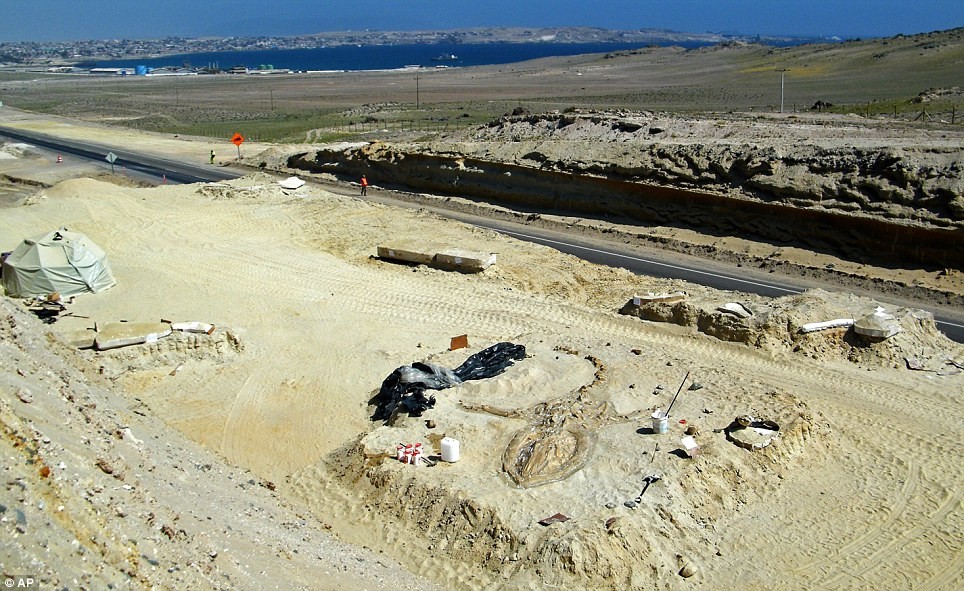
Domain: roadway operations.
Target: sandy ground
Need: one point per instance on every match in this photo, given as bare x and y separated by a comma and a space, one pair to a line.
862, 489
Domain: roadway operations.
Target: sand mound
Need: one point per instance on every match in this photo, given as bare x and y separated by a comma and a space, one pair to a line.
81, 186
456, 509
776, 324
14, 150
168, 353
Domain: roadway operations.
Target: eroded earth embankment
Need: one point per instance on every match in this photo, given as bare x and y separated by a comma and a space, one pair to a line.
846, 195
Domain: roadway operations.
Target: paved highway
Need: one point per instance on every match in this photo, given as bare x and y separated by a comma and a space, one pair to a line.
160, 169
640, 260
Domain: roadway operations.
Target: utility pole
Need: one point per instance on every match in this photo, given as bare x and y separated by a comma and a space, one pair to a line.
782, 72
416, 91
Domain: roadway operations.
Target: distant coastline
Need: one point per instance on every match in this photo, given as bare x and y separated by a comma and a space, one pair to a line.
365, 57
113, 50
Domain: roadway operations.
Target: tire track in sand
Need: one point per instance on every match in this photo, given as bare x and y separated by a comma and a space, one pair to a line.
899, 545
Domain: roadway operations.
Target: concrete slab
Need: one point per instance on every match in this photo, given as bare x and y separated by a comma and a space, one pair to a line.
122, 334
465, 261
438, 256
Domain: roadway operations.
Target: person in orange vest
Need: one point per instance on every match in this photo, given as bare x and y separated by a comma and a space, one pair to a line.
364, 185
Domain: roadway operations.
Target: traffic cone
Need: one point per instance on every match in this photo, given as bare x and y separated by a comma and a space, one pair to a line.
59, 159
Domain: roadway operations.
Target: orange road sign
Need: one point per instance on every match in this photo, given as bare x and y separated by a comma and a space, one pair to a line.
237, 139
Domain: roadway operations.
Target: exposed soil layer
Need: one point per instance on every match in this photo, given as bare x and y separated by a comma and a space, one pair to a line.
882, 205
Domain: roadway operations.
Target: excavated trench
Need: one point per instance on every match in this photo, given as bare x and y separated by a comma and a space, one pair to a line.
863, 239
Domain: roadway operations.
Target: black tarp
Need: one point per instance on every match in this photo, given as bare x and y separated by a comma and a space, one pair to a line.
404, 389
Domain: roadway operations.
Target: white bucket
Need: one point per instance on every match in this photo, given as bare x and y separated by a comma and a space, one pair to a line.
660, 422
450, 449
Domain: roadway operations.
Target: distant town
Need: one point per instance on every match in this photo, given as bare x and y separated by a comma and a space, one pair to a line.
82, 54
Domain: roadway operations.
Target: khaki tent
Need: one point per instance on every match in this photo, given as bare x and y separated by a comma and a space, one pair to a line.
62, 261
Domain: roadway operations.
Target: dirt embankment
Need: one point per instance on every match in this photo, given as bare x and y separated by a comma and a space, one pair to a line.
881, 195
837, 164
99, 494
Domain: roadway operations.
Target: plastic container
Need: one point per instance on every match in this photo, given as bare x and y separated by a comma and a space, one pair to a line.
690, 446
660, 422
450, 449
417, 455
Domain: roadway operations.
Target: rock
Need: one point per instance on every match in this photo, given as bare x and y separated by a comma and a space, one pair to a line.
695, 386
913, 363
735, 308
126, 434
752, 434
688, 570
630, 126
25, 396
878, 325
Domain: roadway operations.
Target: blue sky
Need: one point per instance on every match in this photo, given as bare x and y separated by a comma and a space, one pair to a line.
59, 20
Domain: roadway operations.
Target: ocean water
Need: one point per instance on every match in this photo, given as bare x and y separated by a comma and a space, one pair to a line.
375, 57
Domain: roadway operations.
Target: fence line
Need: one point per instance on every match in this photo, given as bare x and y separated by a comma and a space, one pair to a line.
399, 125
922, 114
